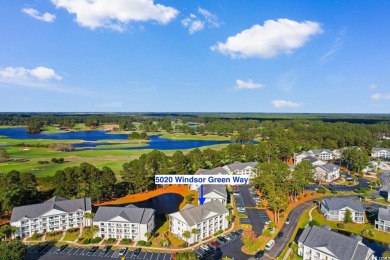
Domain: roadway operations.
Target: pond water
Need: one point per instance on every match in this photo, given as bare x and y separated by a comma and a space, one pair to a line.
163, 204
156, 141
378, 247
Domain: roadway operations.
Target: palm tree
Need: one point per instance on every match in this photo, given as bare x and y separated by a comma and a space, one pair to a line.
90, 216
194, 232
186, 234
90, 232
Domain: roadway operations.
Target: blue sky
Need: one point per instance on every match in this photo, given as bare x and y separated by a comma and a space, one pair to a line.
195, 56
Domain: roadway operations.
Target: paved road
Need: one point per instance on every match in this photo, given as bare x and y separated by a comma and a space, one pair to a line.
246, 196
288, 230
363, 183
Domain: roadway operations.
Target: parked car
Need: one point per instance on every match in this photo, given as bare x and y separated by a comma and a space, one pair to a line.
206, 248
221, 239
93, 250
214, 244
61, 248
287, 221
259, 254
267, 222
240, 231
137, 251
226, 237
270, 245
280, 234
106, 249
122, 251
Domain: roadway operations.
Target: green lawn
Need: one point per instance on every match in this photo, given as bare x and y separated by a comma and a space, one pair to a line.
71, 236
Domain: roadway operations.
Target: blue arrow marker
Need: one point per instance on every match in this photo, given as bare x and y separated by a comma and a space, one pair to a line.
201, 198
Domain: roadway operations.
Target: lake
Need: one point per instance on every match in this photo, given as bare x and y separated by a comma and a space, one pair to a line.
156, 141
163, 204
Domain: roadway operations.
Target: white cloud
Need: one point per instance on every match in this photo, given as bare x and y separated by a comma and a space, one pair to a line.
212, 19
192, 24
115, 14
285, 103
335, 47
241, 84
196, 23
46, 17
39, 73
378, 96
372, 86
269, 40
111, 105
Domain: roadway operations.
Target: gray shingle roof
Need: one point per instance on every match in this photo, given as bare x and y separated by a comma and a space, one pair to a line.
312, 159
320, 151
217, 188
384, 214
36, 210
338, 203
132, 214
240, 166
196, 214
342, 247
329, 167
215, 171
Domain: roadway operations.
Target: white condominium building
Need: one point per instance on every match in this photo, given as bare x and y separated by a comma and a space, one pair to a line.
55, 214
124, 222
206, 219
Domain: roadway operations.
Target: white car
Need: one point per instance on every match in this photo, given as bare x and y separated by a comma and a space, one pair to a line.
123, 251
205, 248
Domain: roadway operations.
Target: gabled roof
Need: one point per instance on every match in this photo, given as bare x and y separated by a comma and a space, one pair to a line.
132, 214
342, 247
238, 166
303, 153
329, 167
215, 171
338, 203
384, 214
55, 199
220, 189
320, 151
58, 203
310, 158
197, 214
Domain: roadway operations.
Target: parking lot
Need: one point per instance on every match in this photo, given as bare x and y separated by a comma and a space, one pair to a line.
83, 253
216, 252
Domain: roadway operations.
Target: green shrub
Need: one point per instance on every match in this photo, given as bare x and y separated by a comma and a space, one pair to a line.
148, 243
371, 234
334, 191
242, 215
272, 224
340, 225
72, 230
53, 233
43, 162
141, 243
35, 236
321, 191
218, 232
96, 240
126, 241
86, 241
165, 242
267, 232
111, 240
